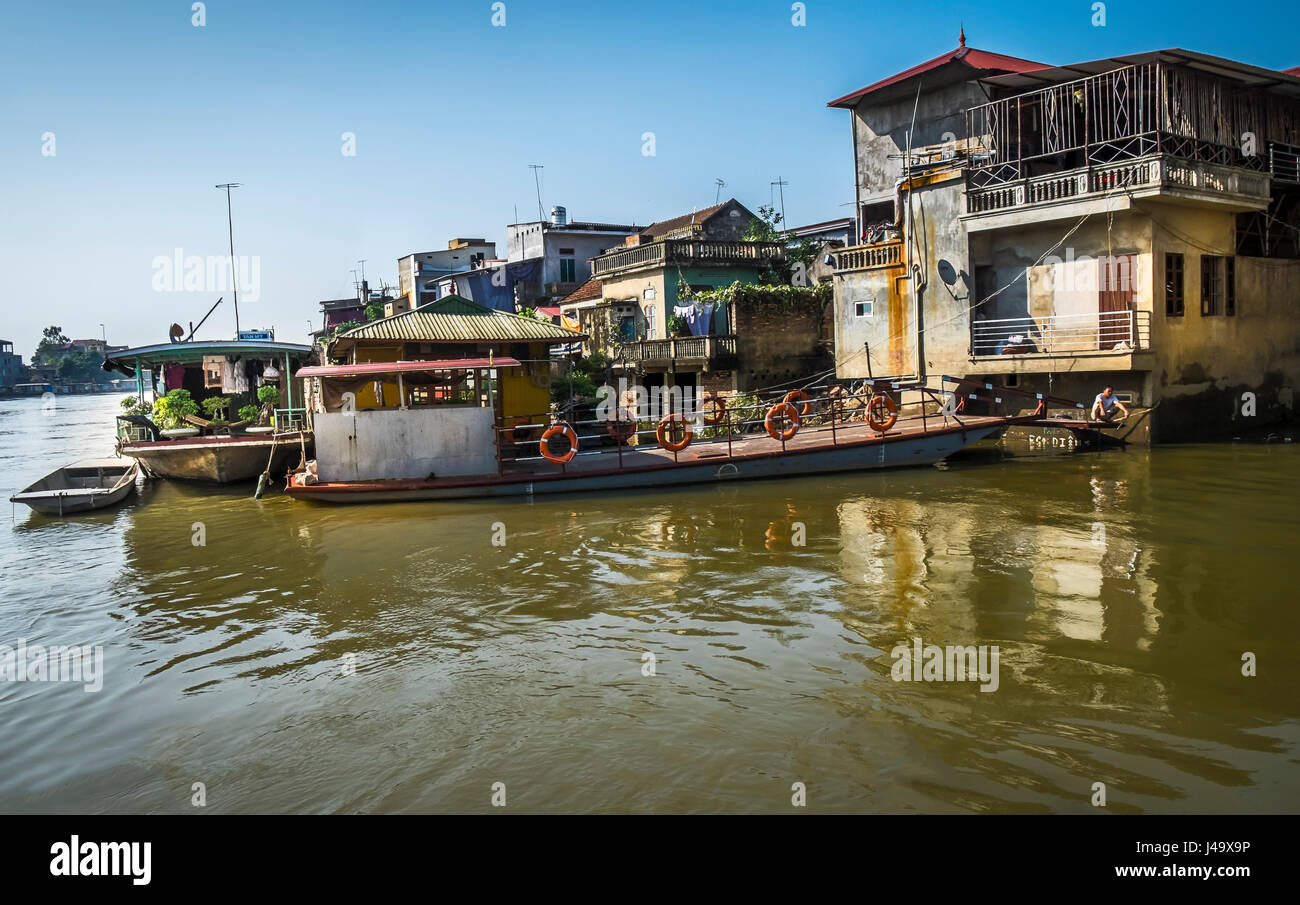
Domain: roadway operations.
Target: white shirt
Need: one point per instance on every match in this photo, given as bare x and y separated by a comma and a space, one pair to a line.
1107, 403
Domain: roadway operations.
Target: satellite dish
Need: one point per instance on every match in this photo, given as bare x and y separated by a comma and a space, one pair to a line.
175, 333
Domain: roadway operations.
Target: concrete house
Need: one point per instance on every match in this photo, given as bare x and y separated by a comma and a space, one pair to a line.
418, 273
550, 259
11, 365
1130, 221
723, 350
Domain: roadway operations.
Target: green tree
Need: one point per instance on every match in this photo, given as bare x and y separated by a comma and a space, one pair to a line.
51, 346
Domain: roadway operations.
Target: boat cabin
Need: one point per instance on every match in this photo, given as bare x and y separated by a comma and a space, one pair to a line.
423, 393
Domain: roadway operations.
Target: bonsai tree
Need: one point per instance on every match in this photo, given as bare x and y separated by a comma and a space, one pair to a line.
269, 396
215, 407
133, 406
249, 413
170, 411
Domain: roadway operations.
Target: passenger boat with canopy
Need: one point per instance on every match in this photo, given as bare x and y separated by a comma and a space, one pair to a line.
446, 435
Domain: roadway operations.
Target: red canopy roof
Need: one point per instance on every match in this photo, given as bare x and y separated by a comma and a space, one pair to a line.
366, 369
981, 60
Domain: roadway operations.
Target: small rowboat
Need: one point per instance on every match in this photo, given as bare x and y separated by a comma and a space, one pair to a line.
81, 487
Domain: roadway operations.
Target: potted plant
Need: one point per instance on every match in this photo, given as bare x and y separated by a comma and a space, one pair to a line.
677, 325
269, 396
169, 411
133, 406
216, 407
249, 413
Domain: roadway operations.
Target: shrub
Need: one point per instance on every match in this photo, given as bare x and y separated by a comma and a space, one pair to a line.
170, 411
215, 407
268, 395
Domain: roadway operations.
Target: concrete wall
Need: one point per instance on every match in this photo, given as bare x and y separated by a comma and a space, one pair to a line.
940, 287
1207, 364
437, 440
881, 130
778, 347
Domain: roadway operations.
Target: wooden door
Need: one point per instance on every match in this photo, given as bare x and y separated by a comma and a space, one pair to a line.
1116, 279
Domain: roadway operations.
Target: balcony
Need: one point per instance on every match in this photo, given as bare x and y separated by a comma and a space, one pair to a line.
877, 256
706, 352
1104, 340
1188, 180
688, 253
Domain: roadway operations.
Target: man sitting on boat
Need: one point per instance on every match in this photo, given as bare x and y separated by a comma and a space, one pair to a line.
1105, 406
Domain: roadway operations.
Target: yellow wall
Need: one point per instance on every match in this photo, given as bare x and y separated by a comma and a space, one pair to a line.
525, 390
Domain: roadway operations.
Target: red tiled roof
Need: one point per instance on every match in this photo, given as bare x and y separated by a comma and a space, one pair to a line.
587, 291
977, 60
1294, 70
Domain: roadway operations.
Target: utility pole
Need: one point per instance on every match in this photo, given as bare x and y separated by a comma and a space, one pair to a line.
781, 184
535, 167
230, 225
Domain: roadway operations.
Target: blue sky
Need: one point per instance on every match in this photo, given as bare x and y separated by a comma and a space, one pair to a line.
149, 112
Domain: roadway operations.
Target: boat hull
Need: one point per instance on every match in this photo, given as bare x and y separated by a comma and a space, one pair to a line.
903, 451
219, 460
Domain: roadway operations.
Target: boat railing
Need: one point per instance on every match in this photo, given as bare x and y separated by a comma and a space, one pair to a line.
827, 409
288, 420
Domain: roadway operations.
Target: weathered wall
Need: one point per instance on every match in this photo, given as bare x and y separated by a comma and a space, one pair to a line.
1208, 364
777, 347
881, 130
414, 444
936, 243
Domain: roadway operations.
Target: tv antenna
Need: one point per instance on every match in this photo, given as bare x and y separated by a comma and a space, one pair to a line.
781, 183
718, 194
537, 182
230, 225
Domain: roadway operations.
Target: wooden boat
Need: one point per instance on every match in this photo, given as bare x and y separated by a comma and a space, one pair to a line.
234, 452
439, 452
81, 487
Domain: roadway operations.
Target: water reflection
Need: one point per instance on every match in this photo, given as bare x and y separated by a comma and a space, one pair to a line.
1121, 590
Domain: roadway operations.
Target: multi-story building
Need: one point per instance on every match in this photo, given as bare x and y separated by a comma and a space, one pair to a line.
637, 288
550, 259
11, 365
418, 273
1133, 221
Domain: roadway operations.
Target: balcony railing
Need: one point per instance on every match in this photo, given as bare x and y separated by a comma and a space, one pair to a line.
687, 252
1062, 334
1155, 173
870, 257
698, 348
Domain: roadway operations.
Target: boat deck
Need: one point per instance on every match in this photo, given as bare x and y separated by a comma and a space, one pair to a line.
748, 447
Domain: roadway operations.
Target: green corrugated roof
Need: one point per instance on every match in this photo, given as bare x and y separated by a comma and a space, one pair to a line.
453, 318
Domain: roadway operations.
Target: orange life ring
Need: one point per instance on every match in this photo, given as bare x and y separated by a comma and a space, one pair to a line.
514, 435
666, 424
556, 430
798, 396
714, 404
875, 418
787, 413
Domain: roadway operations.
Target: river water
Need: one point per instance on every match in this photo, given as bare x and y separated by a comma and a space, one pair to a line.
395, 659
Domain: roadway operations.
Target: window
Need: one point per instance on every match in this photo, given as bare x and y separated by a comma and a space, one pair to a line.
865, 308
1173, 285
566, 251
648, 294
1218, 286
649, 313
568, 269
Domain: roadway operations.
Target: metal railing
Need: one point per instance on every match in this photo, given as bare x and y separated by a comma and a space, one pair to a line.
1062, 334
686, 252
741, 420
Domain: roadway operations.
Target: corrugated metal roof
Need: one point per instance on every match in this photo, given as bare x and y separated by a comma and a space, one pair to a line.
453, 319
981, 61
